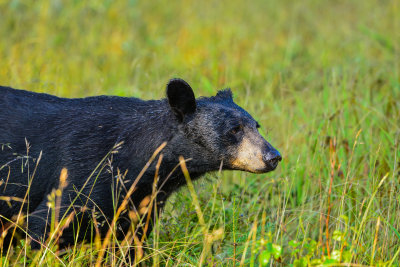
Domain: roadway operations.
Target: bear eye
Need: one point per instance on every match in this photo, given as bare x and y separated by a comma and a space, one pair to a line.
236, 129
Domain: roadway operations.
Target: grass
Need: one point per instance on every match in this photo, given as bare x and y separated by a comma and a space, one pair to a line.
322, 77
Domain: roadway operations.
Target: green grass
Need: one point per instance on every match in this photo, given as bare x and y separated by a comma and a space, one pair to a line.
321, 77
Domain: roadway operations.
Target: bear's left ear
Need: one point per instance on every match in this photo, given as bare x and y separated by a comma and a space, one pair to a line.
181, 98
225, 94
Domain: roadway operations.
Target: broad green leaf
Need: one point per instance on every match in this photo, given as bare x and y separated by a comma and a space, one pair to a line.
264, 257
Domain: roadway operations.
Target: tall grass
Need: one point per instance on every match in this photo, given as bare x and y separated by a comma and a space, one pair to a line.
321, 77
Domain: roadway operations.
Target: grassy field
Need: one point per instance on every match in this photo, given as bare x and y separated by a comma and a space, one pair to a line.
321, 77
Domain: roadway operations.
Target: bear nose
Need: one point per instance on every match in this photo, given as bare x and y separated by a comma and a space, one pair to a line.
272, 159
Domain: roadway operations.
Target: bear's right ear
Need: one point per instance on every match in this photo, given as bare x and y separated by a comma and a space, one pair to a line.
180, 98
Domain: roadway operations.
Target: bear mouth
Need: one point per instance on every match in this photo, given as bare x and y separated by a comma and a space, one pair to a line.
267, 168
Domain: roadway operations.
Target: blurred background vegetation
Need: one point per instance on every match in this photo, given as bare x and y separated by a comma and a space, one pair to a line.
322, 77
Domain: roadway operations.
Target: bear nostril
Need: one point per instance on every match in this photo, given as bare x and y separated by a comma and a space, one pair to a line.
273, 162
272, 159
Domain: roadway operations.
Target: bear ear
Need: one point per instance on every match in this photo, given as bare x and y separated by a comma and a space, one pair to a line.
225, 94
180, 98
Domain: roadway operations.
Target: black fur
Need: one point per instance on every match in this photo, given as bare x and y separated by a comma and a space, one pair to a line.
78, 133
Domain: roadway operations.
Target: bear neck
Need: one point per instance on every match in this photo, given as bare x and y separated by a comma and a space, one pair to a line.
160, 125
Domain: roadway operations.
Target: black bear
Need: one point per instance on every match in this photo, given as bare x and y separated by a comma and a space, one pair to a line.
104, 143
